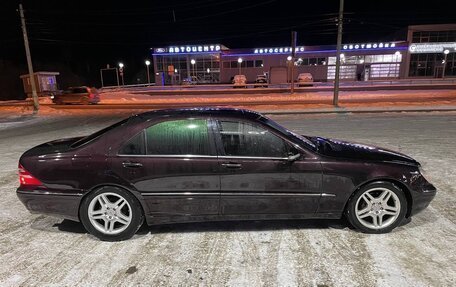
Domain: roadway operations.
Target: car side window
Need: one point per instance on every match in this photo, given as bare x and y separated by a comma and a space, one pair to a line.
245, 139
179, 137
135, 146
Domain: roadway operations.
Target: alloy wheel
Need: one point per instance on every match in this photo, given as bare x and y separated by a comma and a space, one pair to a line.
377, 208
110, 213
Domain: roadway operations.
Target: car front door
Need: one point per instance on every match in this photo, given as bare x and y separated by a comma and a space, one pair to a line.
173, 164
259, 179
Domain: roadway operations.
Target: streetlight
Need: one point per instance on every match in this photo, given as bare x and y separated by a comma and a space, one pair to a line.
193, 62
239, 65
446, 52
289, 58
148, 75
121, 65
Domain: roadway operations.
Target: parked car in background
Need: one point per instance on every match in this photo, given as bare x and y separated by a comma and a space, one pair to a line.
305, 79
189, 81
211, 164
261, 81
239, 81
77, 95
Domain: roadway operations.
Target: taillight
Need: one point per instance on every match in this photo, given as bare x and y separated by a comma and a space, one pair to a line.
26, 178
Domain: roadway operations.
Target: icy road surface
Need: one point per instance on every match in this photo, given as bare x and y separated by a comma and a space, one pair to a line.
41, 250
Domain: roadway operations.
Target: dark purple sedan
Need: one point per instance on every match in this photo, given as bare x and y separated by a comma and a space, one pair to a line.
208, 164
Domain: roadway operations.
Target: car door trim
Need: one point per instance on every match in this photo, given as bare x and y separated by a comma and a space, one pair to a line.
251, 157
186, 193
167, 155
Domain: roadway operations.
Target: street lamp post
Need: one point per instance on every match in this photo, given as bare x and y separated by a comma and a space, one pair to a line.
446, 52
148, 74
193, 62
289, 58
239, 65
121, 66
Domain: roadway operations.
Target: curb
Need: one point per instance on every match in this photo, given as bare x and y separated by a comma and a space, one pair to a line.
359, 111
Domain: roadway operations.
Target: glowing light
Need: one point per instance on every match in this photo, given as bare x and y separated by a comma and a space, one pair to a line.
192, 61
446, 52
239, 60
189, 49
289, 58
147, 62
121, 65
367, 46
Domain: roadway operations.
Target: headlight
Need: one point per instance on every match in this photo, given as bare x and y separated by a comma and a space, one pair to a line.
423, 172
52, 97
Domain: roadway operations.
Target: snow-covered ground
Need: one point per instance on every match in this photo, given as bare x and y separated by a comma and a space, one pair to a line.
38, 250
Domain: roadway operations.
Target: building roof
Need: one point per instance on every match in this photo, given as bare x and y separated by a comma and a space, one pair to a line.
40, 73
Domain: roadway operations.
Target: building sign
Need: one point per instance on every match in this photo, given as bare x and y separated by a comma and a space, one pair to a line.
188, 49
416, 48
365, 46
277, 50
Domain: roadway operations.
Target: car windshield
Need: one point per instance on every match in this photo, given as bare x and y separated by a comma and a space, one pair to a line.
284, 130
97, 134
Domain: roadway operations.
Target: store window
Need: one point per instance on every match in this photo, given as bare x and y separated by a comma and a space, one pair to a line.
433, 36
310, 61
258, 63
383, 58
384, 71
427, 64
347, 72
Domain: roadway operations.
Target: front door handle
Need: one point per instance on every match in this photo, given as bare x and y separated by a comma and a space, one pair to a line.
232, 165
131, 164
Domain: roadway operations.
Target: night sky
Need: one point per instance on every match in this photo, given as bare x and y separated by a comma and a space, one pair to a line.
77, 38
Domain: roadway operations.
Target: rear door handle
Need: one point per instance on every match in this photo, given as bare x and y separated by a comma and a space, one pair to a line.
131, 164
232, 165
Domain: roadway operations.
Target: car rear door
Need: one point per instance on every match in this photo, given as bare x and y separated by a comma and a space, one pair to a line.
173, 164
256, 175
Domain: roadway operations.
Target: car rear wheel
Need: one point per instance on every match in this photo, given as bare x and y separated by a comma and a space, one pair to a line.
111, 214
85, 101
377, 208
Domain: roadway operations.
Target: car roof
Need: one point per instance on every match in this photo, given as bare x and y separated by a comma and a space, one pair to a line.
216, 111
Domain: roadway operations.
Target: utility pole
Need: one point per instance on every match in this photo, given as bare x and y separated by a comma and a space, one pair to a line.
339, 44
36, 104
294, 36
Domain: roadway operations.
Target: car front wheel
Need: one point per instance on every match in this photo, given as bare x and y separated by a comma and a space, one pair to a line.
111, 214
377, 208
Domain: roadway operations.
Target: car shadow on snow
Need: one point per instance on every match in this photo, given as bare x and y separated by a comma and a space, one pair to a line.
57, 225
254, 225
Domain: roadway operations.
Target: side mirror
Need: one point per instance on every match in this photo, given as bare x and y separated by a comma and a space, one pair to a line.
293, 157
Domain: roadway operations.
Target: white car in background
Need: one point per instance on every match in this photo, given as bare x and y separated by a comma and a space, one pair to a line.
305, 79
239, 81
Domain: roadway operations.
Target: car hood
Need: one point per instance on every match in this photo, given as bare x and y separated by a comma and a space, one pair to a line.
351, 150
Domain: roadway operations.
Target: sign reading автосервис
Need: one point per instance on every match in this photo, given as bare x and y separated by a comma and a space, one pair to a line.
416, 48
188, 49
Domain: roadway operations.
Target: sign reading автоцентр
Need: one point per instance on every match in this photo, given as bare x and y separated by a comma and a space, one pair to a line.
416, 48
189, 49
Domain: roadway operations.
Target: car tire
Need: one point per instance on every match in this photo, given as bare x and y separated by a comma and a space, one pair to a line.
377, 207
111, 214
